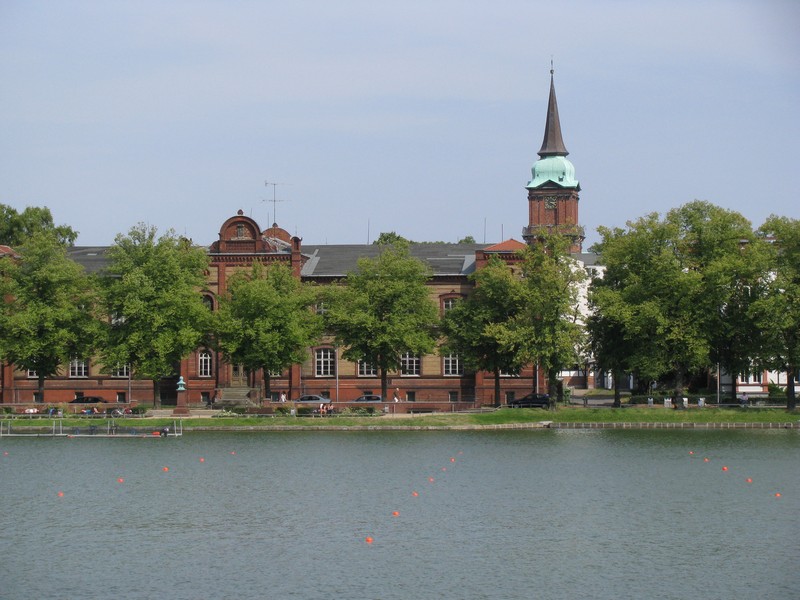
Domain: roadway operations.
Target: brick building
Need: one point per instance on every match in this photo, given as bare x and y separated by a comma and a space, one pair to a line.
553, 199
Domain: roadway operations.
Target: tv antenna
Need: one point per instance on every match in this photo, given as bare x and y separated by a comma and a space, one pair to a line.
274, 200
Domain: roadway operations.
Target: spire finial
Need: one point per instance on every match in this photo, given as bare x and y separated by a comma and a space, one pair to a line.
552, 145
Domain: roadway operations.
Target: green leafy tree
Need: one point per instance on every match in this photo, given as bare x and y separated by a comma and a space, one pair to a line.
152, 296
777, 311
265, 321
388, 238
383, 311
549, 331
467, 240
48, 318
16, 228
671, 298
473, 328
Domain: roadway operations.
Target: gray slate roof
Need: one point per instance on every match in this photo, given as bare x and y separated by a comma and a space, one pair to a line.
338, 260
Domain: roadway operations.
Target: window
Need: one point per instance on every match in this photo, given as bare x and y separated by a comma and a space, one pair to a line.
121, 371
32, 374
449, 303
79, 367
452, 396
324, 362
409, 365
204, 364
366, 370
453, 366
240, 231
121, 397
208, 301
321, 308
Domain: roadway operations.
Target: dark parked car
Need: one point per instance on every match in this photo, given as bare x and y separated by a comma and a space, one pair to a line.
530, 401
369, 398
88, 400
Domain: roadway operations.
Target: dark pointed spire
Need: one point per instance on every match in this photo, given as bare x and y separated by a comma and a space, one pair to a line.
552, 145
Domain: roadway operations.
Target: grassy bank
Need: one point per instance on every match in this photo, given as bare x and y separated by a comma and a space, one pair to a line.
498, 417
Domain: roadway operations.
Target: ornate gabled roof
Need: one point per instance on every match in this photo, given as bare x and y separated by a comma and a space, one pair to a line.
552, 144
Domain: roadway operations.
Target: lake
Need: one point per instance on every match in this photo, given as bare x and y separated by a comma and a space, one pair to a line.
503, 514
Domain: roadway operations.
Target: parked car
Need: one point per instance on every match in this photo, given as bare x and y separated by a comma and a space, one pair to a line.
369, 398
88, 400
313, 398
531, 401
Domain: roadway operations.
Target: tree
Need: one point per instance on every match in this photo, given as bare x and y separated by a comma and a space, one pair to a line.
549, 332
152, 296
777, 311
265, 321
670, 299
16, 228
388, 238
467, 240
383, 311
48, 318
473, 327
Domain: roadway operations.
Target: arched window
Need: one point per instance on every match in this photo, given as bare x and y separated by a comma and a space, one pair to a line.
204, 364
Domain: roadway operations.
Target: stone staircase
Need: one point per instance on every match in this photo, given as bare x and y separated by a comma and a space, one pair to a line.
236, 396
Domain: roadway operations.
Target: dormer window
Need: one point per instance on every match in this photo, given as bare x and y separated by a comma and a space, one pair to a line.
240, 231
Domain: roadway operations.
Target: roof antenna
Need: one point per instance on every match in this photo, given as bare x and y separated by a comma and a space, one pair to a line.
274, 199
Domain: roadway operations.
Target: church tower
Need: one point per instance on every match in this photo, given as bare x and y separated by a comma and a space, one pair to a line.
553, 190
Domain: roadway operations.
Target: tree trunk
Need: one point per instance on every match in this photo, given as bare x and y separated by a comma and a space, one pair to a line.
496, 387
791, 399
617, 389
384, 384
267, 384
156, 393
678, 401
40, 388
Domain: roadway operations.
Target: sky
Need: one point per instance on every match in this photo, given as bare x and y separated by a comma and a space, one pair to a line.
421, 117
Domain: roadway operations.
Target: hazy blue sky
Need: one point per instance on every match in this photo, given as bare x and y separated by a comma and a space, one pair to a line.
422, 117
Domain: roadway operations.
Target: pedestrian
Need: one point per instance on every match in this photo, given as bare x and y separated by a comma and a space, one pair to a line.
396, 397
283, 397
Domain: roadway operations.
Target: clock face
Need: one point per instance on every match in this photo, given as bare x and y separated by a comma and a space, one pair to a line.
550, 202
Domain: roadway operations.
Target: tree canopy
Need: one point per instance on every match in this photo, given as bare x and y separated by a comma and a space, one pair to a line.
383, 311
16, 228
152, 296
265, 320
473, 327
51, 317
777, 310
671, 299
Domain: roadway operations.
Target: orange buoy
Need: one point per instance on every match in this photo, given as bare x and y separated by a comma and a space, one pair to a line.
120, 480
705, 460
202, 459
368, 540
415, 494
396, 513
431, 479
452, 459
165, 469
691, 452
232, 452
724, 468
60, 494
749, 480
777, 494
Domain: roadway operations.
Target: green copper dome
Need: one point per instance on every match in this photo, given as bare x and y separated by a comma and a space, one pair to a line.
555, 169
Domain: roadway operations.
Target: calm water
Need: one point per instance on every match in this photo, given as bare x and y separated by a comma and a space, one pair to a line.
513, 515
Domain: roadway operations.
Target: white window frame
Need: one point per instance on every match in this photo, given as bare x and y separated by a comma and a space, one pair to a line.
366, 369
121, 371
205, 364
78, 368
410, 365
452, 366
324, 362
